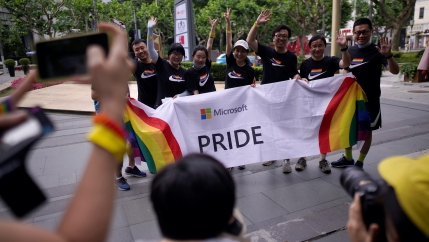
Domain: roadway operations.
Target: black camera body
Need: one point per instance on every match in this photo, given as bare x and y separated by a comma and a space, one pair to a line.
372, 196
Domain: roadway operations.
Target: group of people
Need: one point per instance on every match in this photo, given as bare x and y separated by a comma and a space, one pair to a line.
194, 198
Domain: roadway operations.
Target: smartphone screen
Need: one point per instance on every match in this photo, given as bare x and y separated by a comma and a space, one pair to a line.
66, 57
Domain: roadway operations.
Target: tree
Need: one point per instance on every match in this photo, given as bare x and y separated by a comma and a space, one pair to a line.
11, 40
39, 16
397, 13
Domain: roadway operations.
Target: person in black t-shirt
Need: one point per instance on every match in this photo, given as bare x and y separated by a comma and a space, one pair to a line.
171, 76
366, 62
198, 77
145, 74
238, 70
319, 66
279, 63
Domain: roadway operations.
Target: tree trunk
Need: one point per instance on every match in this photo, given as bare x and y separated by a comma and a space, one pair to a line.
395, 38
301, 46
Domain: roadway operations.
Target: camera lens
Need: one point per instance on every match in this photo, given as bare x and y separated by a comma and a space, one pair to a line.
355, 179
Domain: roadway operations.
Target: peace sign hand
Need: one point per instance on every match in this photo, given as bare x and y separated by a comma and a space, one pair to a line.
213, 22
227, 15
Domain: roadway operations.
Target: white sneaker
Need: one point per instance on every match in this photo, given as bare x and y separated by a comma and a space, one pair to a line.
268, 163
286, 166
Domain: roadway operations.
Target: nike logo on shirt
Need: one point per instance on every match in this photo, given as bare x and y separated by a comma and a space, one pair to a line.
356, 65
175, 78
312, 77
275, 62
148, 73
234, 75
203, 79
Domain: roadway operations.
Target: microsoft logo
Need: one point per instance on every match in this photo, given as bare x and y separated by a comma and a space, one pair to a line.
206, 113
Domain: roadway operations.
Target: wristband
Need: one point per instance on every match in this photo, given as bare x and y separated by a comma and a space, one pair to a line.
389, 56
229, 31
256, 25
109, 141
149, 37
345, 48
104, 120
212, 35
5, 106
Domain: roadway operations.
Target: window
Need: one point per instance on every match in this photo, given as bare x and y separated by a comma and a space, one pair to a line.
422, 12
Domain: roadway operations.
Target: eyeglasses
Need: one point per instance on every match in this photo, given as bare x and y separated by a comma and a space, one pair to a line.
317, 46
283, 36
176, 54
363, 33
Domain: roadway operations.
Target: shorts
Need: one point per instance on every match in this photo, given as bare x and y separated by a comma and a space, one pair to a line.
375, 112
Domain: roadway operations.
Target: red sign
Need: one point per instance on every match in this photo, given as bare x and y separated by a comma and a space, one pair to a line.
182, 39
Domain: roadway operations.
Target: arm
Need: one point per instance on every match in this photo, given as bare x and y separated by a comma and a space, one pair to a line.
227, 16
345, 56
150, 45
88, 216
251, 37
385, 50
211, 38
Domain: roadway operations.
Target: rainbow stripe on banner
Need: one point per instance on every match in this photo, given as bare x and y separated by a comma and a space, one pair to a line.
154, 137
346, 120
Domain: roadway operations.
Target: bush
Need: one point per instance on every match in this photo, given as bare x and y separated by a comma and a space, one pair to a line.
24, 61
258, 72
396, 54
9, 62
410, 55
300, 60
408, 69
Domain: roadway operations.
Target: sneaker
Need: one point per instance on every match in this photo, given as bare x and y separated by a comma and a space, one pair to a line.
122, 184
241, 167
359, 164
324, 165
286, 166
268, 163
229, 168
134, 172
301, 164
343, 162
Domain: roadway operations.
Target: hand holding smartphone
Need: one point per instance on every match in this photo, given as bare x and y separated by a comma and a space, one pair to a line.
59, 59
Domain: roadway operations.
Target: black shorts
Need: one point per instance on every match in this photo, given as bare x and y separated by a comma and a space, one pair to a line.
374, 109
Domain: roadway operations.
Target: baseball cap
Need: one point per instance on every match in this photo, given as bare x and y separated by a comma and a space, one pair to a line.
410, 180
241, 43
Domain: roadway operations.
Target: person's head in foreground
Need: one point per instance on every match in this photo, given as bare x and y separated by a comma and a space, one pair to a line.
194, 200
406, 203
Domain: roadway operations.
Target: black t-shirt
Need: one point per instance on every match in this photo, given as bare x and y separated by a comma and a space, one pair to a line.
147, 83
170, 80
277, 66
200, 79
237, 76
313, 70
366, 66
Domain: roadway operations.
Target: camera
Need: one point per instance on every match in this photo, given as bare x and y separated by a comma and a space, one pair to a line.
372, 196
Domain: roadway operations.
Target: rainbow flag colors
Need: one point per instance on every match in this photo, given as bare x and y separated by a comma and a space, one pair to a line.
346, 119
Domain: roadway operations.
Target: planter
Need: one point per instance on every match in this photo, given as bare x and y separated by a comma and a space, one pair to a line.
418, 77
26, 69
11, 71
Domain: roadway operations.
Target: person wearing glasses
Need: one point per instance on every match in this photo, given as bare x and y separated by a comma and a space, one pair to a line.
171, 76
367, 60
279, 63
320, 66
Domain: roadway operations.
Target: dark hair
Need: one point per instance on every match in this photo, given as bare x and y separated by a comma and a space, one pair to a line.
200, 47
362, 21
176, 47
317, 37
193, 198
279, 27
138, 41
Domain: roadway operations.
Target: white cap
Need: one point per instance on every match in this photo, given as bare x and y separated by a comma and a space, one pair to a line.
241, 43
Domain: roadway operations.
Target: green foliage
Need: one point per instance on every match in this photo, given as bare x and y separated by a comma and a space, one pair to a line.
11, 40
164, 12
186, 64
408, 69
396, 54
219, 72
258, 72
24, 61
300, 60
9, 62
409, 55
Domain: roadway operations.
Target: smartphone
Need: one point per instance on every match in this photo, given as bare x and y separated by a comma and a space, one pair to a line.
17, 188
61, 58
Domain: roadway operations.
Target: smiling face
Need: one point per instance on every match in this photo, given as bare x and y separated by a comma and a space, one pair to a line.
140, 50
199, 58
362, 34
240, 53
317, 49
175, 58
281, 38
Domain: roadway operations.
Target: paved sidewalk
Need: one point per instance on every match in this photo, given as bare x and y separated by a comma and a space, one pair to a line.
300, 206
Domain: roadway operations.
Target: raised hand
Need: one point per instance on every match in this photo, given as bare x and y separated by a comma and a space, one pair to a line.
152, 22
263, 17
227, 15
341, 40
385, 46
213, 22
